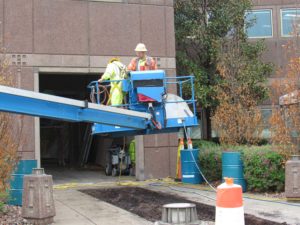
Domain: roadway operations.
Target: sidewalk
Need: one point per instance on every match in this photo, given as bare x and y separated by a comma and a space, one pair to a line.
76, 208
278, 211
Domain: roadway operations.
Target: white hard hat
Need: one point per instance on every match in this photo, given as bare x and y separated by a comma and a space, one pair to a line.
141, 48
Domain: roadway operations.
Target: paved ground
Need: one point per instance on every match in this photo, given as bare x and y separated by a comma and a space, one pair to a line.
76, 208
279, 211
62, 175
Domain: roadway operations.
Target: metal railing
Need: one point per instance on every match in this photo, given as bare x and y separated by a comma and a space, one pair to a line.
183, 86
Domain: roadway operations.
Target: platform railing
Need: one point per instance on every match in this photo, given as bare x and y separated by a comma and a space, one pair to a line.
184, 88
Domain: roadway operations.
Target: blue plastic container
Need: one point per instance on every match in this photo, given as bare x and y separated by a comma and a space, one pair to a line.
232, 166
189, 170
16, 185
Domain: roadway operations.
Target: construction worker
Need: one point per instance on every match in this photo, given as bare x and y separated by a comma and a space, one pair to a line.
115, 70
142, 61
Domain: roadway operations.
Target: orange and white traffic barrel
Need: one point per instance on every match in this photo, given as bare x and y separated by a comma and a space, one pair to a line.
229, 208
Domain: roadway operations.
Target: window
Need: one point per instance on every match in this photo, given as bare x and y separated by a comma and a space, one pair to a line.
266, 115
260, 21
290, 21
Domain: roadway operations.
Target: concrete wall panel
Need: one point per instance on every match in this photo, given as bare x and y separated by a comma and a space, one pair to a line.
172, 160
170, 32
156, 140
153, 29
26, 155
18, 31
1, 20
27, 135
114, 29
60, 27
156, 162
27, 78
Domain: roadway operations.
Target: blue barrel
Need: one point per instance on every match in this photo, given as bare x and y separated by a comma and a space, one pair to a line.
16, 184
189, 170
232, 166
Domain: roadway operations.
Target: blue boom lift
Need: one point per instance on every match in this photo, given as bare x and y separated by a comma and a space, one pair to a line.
150, 108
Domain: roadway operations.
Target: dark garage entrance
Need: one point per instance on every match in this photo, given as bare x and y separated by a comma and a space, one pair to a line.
62, 143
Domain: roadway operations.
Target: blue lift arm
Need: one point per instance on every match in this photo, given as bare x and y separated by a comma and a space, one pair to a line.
31, 103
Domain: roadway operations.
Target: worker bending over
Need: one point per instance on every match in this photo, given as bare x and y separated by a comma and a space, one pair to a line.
142, 61
115, 70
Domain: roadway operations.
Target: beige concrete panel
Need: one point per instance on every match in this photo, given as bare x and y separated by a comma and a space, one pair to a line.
26, 155
133, 1
163, 63
114, 28
41, 60
1, 20
272, 2
157, 162
60, 27
101, 61
173, 160
152, 2
169, 3
140, 158
170, 32
156, 140
27, 78
173, 139
18, 31
153, 29
59, 60
64, 70
28, 134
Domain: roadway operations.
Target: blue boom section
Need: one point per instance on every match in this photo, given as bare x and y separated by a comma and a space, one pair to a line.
147, 91
150, 109
42, 105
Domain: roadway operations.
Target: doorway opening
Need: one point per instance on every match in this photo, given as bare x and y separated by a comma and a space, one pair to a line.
66, 152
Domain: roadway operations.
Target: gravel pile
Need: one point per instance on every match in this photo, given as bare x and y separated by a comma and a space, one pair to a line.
12, 216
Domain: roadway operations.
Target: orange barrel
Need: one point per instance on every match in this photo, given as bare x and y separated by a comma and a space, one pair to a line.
229, 207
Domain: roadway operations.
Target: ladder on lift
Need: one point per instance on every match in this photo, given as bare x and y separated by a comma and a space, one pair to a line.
87, 143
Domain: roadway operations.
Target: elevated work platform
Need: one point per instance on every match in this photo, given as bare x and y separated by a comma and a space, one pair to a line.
150, 108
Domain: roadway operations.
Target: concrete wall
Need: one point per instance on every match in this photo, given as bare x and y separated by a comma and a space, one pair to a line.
79, 36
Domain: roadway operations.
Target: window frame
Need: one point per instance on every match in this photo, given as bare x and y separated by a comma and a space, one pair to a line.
272, 25
281, 21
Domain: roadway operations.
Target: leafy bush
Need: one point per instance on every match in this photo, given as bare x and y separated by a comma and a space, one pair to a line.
3, 199
211, 163
263, 168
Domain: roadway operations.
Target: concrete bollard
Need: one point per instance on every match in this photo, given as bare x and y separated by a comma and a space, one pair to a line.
38, 204
292, 178
179, 213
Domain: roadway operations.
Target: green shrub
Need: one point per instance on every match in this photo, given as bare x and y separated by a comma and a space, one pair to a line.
3, 199
211, 163
210, 159
263, 168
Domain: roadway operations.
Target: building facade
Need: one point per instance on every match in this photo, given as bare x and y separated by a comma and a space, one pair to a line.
273, 21
58, 46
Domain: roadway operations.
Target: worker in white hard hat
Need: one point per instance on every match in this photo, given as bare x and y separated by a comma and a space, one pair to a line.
115, 70
142, 61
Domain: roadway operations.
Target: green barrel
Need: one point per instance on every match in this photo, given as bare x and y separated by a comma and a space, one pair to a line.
190, 166
24, 167
232, 166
